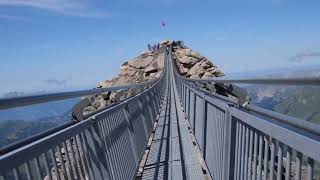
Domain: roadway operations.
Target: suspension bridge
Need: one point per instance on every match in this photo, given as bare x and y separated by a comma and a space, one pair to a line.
176, 128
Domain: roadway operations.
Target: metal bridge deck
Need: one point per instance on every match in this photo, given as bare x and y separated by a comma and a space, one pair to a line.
174, 153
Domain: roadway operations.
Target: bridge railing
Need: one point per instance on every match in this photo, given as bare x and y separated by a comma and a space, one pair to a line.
107, 145
250, 142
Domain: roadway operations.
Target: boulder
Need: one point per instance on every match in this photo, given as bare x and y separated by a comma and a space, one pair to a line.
127, 71
101, 102
160, 61
192, 64
117, 96
105, 84
188, 61
182, 52
141, 63
196, 71
205, 63
207, 74
218, 73
145, 54
166, 43
88, 110
153, 67
194, 55
182, 70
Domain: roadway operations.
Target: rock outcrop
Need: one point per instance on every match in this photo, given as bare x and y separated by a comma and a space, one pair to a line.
148, 66
192, 64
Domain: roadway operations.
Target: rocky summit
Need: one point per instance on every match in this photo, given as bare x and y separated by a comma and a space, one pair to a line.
192, 64
148, 66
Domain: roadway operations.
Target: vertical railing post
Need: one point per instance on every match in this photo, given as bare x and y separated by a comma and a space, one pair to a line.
194, 111
184, 97
230, 141
204, 116
188, 112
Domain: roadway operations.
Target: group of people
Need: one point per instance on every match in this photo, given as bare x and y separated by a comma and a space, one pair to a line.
155, 47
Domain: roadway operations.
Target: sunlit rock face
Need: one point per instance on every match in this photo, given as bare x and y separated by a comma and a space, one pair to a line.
192, 64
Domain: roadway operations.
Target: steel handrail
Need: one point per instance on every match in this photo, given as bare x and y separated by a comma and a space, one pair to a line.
6, 103
33, 138
271, 81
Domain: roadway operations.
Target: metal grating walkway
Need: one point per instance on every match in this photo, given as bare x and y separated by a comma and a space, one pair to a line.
174, 153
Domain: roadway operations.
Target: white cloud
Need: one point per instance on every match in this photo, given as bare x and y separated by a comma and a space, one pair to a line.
56, 82
80, 8
302, 56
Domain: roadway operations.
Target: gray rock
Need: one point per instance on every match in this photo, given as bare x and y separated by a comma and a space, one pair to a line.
141, 63
153, 67
182, 70
188, 60
205, 63
196, 71
88, 110
194, 55
145, 54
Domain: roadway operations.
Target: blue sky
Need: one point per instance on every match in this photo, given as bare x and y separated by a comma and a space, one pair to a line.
65, 44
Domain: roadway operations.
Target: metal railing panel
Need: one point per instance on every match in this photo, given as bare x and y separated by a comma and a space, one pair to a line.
192, 107
273, 158
139, 126
9, 160
146, 112
215, 140
282, 133
116, 134
199, 125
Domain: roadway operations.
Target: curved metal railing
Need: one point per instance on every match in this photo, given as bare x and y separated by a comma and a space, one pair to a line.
7, 103
249, 142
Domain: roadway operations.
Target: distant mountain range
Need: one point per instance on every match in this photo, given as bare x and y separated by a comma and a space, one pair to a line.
302, 102
38, 111
19, 123
14, 130
296, 71
297, 101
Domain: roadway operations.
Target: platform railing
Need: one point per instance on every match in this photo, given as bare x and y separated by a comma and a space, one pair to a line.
250, 142
107, 145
